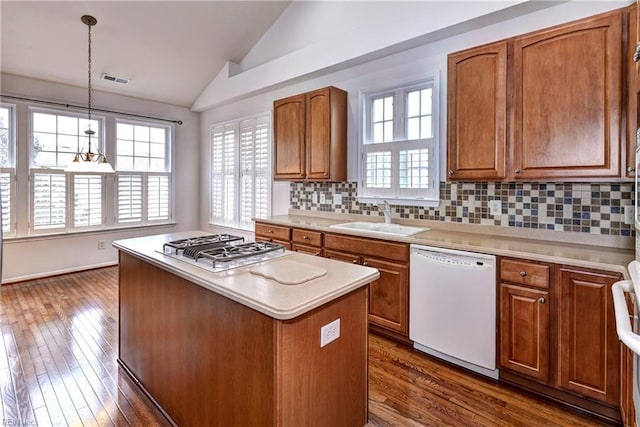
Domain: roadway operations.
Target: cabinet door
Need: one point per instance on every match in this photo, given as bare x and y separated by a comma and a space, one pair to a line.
318, 134
588, 347
288, 130
389, 295
524, 331
477, 112
567, 100
632, 90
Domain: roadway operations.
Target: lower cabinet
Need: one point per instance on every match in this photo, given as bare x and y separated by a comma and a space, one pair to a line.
589, 350
389, 294
273, 233
558, 337
525, 334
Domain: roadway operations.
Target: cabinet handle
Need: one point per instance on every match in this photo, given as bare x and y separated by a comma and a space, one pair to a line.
355, 261
523, 273
631, 169
636, 54
542, 300
518, 171
451, 172
365, 263
305, 237
317, 254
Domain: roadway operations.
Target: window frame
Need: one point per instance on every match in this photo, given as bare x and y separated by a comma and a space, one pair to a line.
262, 119
395, 195
11, 170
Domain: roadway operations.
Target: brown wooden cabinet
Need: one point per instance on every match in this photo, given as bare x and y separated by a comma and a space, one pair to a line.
273, 233
310, 134
477, 113
557, 334
525, 334
389, 295
633, 74
548, 105
306, 241
589, 351
567, 100
627, 409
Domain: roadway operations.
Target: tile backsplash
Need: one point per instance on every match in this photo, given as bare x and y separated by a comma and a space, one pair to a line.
578, 207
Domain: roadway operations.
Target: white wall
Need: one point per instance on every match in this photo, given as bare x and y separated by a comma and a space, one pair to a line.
405, 66
30, 257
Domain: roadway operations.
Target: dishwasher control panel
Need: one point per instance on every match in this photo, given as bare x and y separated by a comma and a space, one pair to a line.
452, 259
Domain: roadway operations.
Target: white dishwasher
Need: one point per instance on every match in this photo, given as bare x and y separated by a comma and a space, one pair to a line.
452, 307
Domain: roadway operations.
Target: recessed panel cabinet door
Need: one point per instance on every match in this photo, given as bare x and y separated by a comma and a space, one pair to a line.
589, 351
318, 138
567, 100
289, 132
477, 112
524, 331
389, 295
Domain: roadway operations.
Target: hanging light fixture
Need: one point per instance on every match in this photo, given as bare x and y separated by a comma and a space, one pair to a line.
90, 161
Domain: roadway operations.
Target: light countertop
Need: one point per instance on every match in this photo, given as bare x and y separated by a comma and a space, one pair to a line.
265, 295
566, 250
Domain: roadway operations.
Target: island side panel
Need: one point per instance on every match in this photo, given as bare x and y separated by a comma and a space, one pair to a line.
206, 360
324, 385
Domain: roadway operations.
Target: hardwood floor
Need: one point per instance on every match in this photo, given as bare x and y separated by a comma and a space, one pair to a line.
58, 367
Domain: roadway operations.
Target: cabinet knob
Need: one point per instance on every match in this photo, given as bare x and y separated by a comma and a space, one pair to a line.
518, 170
523, 273
451, 172
270, 231
365, 263
317, 254
542, 300
355, 261
631, 169
305, 237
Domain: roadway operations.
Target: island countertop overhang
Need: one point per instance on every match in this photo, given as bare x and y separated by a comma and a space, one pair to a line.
276, 300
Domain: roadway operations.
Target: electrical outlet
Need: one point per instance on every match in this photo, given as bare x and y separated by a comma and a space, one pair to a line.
337, 199
323, 198
100, 245
629, 214
314, 198
495, 207
329, 332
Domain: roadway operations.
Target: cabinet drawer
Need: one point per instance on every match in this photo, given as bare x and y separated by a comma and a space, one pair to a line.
307, 237
524, 273
276, 232
311, 250
370, 247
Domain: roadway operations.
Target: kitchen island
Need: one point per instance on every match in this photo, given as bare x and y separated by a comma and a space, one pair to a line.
237, 348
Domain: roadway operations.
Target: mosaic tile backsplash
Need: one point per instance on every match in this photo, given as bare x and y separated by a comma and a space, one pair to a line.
578, 207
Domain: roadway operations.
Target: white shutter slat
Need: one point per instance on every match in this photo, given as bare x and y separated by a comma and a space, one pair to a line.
5, 190
49, 201
157, 197
129, 198
87, 210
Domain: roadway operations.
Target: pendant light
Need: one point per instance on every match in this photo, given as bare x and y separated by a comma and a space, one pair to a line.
90, 161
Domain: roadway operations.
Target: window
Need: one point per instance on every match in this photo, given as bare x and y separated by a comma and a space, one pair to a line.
7, 167
143, 172
240, 174
399, 150
62, 201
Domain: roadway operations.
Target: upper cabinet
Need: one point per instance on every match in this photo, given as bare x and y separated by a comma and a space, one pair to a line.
568, 100
310, 134
548, 105
477, 106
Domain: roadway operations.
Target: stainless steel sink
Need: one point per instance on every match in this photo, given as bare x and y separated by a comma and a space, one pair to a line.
380, 228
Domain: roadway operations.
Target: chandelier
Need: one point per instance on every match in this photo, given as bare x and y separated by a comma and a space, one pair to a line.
89, 161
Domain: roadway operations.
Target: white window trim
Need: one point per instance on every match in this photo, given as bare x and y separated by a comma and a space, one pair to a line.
236, 224
150, 123
11, 170
364, 96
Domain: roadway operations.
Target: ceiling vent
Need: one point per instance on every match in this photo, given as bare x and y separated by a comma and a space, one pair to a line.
114, 79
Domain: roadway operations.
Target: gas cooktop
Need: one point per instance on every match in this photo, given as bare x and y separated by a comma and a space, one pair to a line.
219, 252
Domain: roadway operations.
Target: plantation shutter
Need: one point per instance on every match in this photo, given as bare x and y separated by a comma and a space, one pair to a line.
49, 201
87, 200
157, 197
129, 190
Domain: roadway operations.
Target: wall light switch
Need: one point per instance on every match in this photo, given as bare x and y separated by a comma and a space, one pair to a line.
495, 207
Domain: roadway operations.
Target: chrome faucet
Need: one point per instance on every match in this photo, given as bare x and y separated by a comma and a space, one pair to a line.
386, 211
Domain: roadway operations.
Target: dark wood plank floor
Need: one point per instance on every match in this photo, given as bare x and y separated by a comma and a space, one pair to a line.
58, 367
